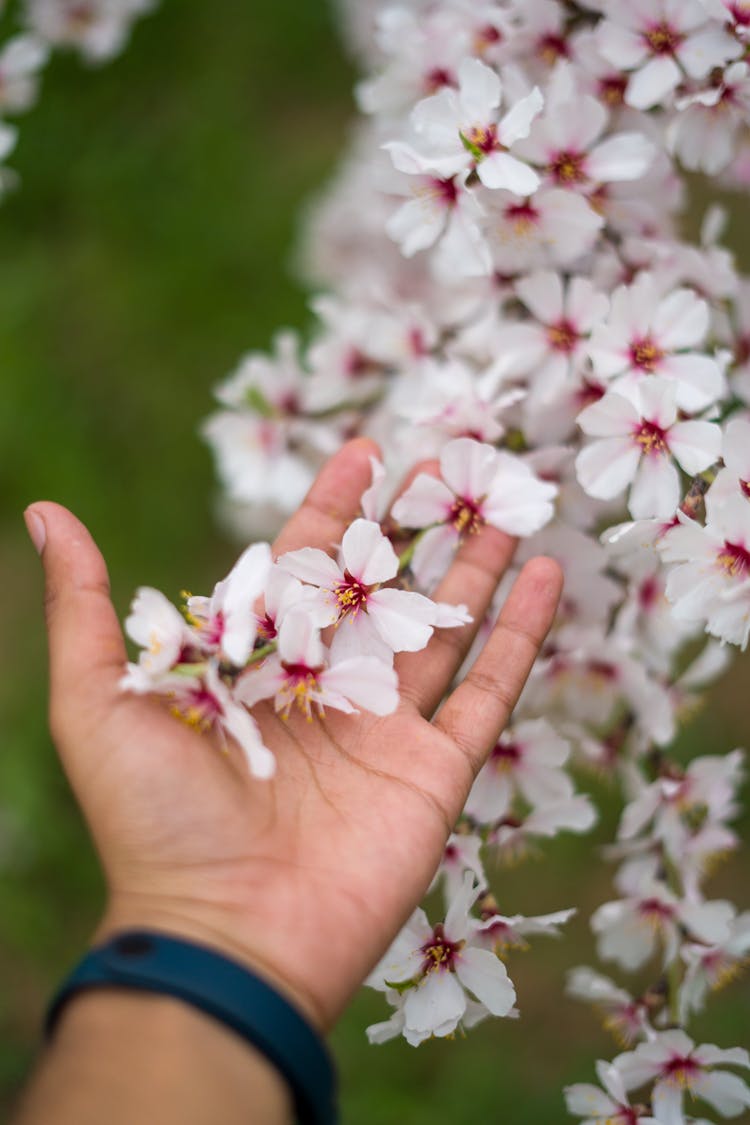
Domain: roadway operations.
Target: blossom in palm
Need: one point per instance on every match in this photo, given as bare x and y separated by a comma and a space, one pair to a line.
160, 630
370, 617
226, 622
301, 674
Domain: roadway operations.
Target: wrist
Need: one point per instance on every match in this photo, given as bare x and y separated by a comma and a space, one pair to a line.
209, 925
187, 1066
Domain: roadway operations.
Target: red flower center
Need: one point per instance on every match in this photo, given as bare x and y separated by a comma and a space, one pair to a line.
734, 558
466, 516
651, 438
351, 595
439, 952
662, 39
568, 168
563, 336
645, 354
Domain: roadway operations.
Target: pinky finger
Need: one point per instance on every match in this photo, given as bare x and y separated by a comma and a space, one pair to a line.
475, 714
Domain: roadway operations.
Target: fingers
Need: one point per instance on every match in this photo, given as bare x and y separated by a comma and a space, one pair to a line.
472, 579
332, 502
477, 711
86, 647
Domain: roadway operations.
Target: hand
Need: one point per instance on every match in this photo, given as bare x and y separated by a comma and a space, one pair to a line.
307, 877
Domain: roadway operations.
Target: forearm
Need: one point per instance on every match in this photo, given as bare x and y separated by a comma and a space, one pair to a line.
125, 1057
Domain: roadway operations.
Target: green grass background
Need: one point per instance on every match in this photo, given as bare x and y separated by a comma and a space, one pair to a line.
148, 247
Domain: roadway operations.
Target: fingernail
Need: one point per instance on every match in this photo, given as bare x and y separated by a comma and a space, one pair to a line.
36, 529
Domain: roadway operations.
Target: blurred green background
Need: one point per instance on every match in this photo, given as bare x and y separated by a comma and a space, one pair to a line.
148, 247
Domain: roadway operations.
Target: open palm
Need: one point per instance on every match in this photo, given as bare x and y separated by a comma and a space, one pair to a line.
308, 876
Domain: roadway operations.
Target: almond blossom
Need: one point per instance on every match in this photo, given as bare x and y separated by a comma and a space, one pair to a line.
711, 581
528, 759
639, 439
660, 41
677, 1066
713, 966
370, 618
605, 1105
648, 333
628, 930
566, 143
479, 486
301, 673
226, 621
461, 131
438, 969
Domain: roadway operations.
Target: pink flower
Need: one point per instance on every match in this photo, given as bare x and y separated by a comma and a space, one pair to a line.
369, 618
299, 673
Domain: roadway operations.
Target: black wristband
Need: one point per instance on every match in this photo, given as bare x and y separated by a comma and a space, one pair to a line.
224, 989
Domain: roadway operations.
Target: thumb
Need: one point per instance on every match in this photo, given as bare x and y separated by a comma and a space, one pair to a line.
86, 647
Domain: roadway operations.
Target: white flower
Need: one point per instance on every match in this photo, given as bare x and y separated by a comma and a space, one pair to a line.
552, 228
677, 1065
566, 144
479, 486
714, 966
226, 622
457, 131
639, 438
461, 854
712, 581
703, 132
436, 966
299, 673
624, 1016
159, 628
661, 41
607, 1106
501, 933
440, 210
628, 929
649, 334
370, 619
528, 760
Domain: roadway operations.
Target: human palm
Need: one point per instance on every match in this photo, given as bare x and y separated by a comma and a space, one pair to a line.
308, 876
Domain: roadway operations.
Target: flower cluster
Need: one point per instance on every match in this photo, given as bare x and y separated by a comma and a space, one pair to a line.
98, 29
507, 291
261, 637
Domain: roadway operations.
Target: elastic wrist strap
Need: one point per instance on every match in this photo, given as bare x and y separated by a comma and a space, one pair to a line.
224, 989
